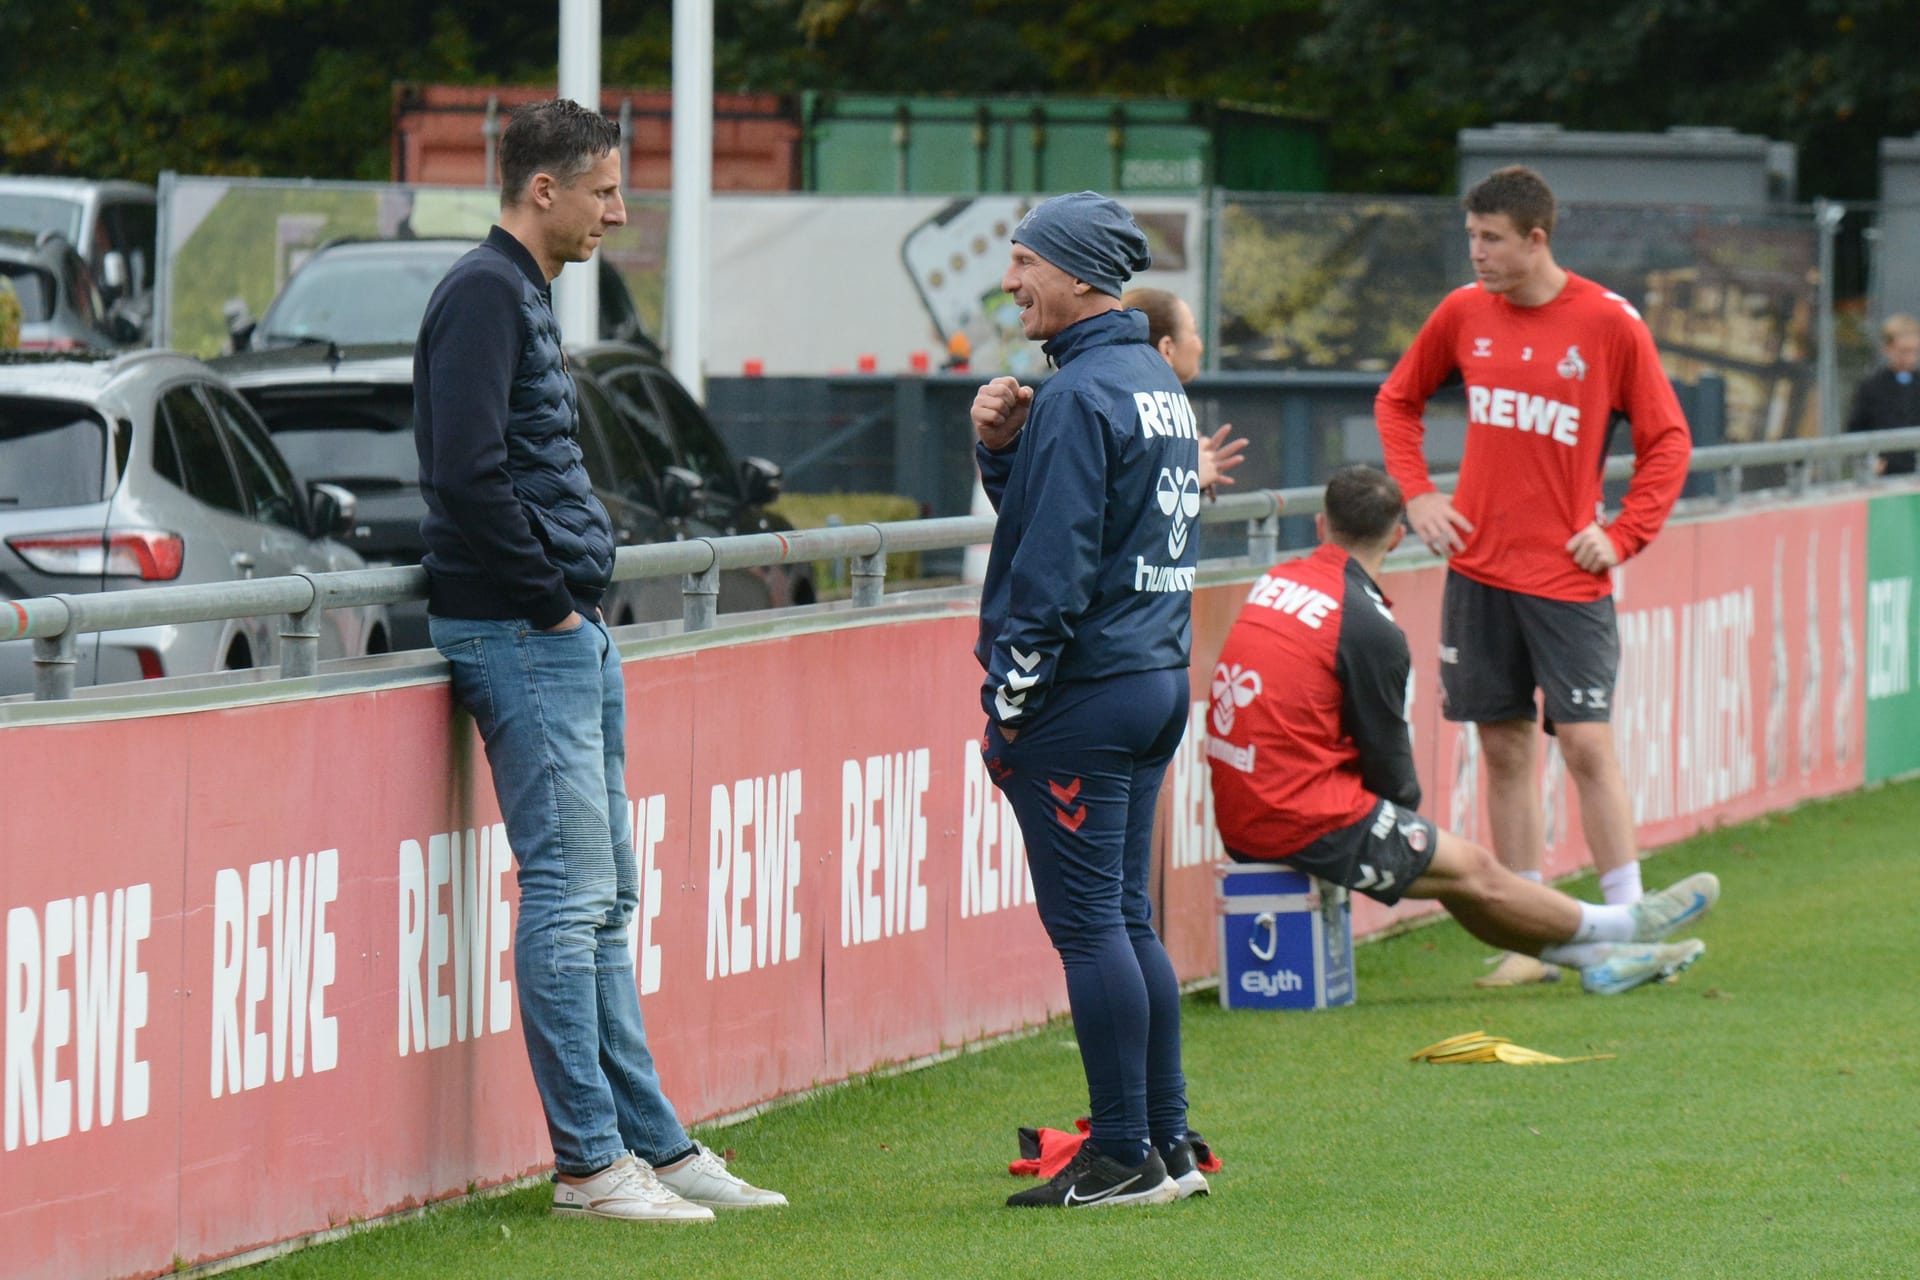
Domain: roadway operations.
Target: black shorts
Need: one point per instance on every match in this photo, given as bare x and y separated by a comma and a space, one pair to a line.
1498, 646
1380, 855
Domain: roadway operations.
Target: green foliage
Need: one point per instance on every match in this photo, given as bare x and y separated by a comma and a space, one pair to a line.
302, 88
1758, 1121
9, 316
1313, 284
1401, 76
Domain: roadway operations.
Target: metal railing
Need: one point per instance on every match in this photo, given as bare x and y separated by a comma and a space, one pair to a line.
55, 622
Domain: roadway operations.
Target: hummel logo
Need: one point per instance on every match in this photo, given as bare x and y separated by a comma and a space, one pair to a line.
1074, 1199
1065, 796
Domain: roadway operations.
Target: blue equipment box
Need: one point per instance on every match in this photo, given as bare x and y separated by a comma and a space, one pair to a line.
1286, 939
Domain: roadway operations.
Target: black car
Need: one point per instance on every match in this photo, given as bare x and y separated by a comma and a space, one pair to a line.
737, 493
339, 412
369, 292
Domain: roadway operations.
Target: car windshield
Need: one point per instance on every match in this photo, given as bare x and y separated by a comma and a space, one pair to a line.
20, 212
364, 444
52, 454
33, 287
358, 297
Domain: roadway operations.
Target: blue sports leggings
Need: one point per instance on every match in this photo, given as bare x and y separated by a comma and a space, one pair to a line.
1083, 780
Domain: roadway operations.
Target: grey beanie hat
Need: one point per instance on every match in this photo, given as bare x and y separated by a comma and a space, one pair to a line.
1090, 236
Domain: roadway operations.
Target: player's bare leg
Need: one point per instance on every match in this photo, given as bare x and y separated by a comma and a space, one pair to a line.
1606, 810
1491, 902
1509, 749
1615, 947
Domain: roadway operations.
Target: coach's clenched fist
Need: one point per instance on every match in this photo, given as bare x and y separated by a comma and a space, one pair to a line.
1000, 411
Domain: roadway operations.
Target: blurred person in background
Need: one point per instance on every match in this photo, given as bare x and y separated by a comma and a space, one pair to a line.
1174, 334
1890, 396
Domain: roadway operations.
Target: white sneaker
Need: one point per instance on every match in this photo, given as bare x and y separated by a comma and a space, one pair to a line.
1659, 914
1630, 964
702, 1178
626, 1191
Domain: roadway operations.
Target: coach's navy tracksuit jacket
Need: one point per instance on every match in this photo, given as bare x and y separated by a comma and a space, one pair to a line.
1091, 571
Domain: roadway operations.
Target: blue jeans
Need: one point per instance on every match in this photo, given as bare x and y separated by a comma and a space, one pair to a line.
552, 710
1082, 780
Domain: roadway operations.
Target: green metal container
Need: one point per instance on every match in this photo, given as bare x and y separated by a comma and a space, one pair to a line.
866, 143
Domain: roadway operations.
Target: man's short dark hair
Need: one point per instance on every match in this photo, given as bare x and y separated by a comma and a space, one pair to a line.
1518, 192
558, 137
1363, 505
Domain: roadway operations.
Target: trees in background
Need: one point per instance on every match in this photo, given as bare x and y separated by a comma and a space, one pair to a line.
303, 87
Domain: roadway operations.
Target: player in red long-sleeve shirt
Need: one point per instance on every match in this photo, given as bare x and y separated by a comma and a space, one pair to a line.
1312, 764
1550, 361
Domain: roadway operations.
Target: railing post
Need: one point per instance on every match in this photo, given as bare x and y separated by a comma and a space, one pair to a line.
870, 574
1798, 473
1726, 486
700, 598
1263, 539
300, 637
54, 660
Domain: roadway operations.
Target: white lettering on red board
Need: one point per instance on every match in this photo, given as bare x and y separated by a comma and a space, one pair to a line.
993, 853
271, 946
883, 844
455, 930
753, 852
76, 1000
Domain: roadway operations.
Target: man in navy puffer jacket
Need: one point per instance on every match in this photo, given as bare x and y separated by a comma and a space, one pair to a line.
519, 552
1085, 624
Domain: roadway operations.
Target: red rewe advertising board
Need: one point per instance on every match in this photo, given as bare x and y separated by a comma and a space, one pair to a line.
259, 960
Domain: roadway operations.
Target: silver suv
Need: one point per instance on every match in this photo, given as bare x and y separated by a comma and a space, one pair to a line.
111, 223
145, 469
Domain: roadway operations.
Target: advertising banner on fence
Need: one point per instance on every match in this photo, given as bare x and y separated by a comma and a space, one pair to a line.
1893, 698
271, 982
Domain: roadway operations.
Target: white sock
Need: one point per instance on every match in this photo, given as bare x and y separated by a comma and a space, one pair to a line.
1611, 923
1575, 955
1621, 885
1536, 875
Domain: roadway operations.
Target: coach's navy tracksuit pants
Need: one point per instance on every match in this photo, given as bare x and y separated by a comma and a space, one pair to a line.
1082, 780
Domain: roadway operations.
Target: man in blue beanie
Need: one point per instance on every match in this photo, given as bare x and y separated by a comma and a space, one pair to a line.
1085, 628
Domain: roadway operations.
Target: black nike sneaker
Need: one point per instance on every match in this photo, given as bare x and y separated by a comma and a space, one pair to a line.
1091, 1179
1183, 1166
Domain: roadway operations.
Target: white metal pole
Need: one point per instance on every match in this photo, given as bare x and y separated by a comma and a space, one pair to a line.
692, 188
576, 300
